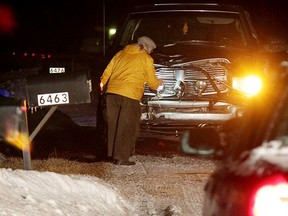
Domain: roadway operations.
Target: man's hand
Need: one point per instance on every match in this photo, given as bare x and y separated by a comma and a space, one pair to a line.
101, 86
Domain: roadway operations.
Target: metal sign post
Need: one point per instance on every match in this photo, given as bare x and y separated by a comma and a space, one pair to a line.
25, 146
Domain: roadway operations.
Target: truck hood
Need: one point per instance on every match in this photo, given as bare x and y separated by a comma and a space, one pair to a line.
178, 53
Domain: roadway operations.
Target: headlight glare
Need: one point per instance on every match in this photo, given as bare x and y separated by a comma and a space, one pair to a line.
250, 85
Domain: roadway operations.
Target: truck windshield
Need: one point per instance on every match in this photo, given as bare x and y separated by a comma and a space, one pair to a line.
172, 27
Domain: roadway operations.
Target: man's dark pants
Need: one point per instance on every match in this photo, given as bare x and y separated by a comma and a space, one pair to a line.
123, 116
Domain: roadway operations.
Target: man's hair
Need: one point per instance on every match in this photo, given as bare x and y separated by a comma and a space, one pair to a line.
146, 42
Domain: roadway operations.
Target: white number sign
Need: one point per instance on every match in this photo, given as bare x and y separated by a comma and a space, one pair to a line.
53, 99
56, 70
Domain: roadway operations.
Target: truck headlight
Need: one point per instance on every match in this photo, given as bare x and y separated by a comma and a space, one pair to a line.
250, 85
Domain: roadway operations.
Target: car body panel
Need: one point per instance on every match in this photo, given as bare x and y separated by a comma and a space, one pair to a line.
257, 158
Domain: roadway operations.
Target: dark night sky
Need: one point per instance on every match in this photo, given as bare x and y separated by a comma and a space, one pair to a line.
70, 21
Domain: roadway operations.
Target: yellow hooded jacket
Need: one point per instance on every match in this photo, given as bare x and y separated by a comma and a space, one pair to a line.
129, 70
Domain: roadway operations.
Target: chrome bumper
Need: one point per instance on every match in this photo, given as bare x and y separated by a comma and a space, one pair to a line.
187, 111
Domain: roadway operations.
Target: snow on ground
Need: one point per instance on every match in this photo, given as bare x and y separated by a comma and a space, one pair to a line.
155, 186
46, 193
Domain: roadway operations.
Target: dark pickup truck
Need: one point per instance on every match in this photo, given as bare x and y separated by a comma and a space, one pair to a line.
210, 58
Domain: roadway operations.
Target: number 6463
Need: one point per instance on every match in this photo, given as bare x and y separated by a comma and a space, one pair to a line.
53, 98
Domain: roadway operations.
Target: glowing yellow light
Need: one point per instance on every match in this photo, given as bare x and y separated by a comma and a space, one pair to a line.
250, 85
18, 139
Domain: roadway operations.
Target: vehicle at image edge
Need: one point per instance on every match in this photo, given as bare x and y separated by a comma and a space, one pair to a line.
251, 178
207, 55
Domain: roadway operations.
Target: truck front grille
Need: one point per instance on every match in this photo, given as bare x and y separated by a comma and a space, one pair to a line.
190, 75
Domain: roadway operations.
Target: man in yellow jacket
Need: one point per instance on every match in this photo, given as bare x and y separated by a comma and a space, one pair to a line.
128, 72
